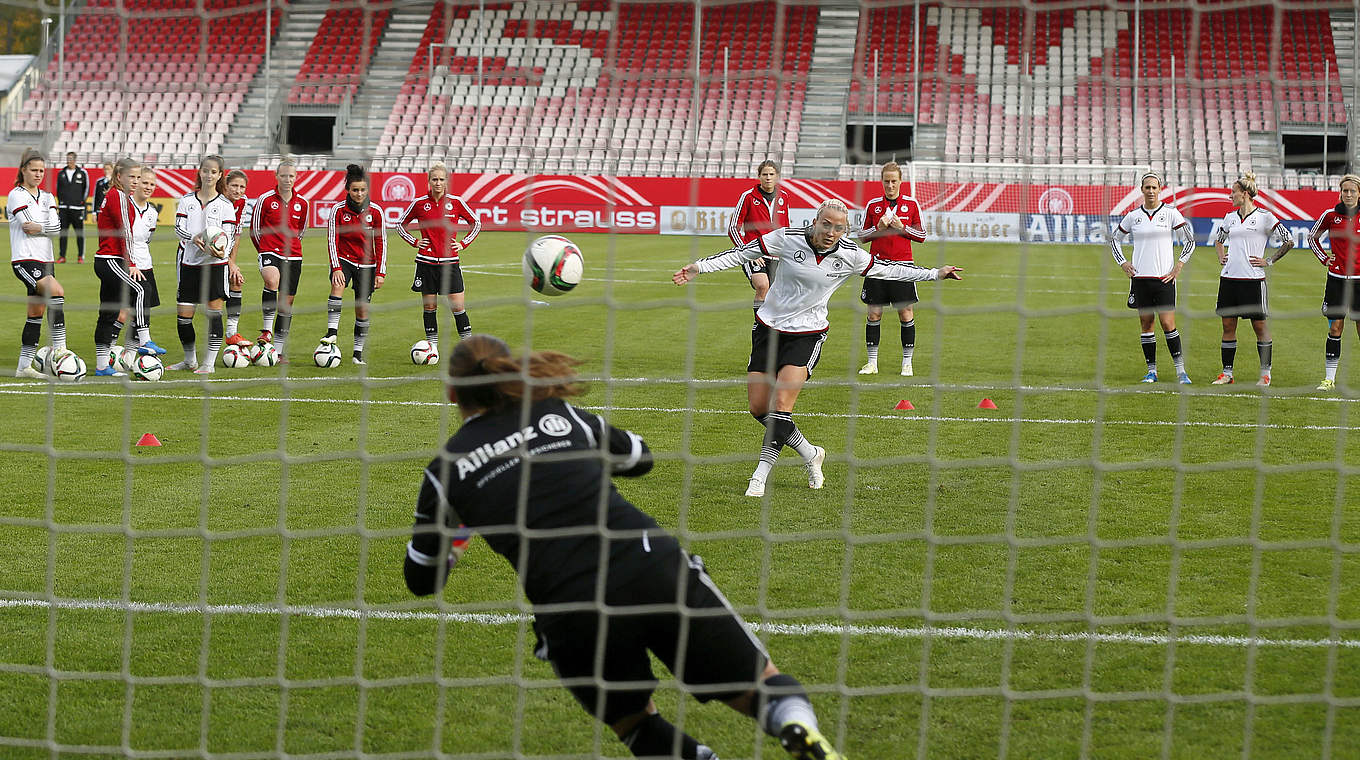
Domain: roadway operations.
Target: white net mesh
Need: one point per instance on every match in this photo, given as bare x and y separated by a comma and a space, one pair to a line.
1020, 551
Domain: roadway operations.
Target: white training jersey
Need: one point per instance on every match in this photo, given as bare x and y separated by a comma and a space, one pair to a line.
144, 220
800, 291
1247, 237
24, 206
1152, 233
192, 216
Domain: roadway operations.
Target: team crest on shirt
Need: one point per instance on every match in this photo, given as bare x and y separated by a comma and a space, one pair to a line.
554, 424
836, 263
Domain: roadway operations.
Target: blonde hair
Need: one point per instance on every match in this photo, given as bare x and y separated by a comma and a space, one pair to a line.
287, 161
438, 166
1355, 178
891, 166
832, 204
1247, 183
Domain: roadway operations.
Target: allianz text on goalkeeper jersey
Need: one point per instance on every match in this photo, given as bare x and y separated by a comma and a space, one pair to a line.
798, 296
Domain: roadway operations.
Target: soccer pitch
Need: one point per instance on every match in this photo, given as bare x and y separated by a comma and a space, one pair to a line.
1095, 568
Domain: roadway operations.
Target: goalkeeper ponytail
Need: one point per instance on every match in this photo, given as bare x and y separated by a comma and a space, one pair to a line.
484, 375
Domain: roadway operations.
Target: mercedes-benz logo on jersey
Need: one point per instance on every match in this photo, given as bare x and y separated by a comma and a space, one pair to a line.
798, 256
399, 188
554, 424
1055, 200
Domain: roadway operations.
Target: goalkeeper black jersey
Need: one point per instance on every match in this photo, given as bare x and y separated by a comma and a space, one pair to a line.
538, 488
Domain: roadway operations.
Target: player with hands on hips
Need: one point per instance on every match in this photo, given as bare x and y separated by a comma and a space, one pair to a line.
1241, 244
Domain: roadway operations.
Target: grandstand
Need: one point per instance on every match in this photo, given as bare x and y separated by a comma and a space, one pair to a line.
678, 89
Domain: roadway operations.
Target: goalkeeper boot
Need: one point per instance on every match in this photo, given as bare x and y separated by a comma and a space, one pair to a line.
803, 742
1223, 378
1151, 376
1183, 378
906, 368
1264, 382
1327, 384
869, 368
814, 468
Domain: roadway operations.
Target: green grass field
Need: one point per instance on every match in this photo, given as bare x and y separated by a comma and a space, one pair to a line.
1096, 568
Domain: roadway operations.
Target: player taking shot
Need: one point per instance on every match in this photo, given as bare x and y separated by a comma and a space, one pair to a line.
791, 325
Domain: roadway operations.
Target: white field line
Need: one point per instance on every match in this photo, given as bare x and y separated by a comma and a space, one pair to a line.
783, 629
307, 383
673, 410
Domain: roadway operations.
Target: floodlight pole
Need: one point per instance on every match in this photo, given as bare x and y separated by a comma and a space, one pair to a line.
1326, 110
873, 155
1176, 129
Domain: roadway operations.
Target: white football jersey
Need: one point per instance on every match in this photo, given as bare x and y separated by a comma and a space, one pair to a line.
143, 227
192, 217
23, 207
1152, 233
1247, 237
806, 279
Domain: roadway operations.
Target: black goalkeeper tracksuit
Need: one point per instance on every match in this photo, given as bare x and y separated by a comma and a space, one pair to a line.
537, 486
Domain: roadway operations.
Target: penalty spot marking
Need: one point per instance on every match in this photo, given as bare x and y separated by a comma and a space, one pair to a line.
777, 629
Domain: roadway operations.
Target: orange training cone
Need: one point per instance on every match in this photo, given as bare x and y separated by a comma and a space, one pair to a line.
148, 439
986, 404
904, 404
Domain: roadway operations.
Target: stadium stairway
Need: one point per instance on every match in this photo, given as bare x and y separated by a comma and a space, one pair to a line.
253, 134
382, 83
821, 134
1343, 38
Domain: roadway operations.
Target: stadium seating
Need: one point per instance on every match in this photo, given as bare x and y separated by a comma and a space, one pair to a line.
163, 89
1018, 85
579, 89
338, 56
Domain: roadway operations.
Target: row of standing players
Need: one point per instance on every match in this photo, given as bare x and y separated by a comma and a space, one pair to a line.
893, 221
126, 221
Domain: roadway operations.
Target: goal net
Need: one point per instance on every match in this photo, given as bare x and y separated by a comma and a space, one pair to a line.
1019, 550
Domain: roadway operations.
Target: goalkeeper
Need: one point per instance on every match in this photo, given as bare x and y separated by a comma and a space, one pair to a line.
531, 473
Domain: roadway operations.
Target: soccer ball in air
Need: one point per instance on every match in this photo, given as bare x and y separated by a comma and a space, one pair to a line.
424, 352
553, 265
217, 241
326, 356
42, 361
147, 368
67, 367
235, 357
264, 355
